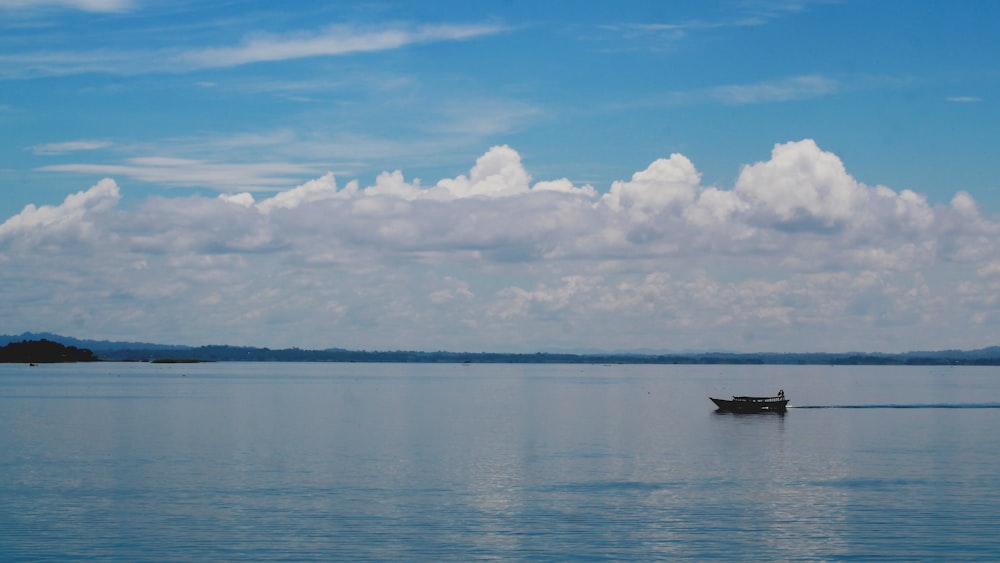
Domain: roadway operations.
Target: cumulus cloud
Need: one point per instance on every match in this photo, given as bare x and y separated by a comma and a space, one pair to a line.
801, 187
315, 190
666, 182
77, 213
798, 253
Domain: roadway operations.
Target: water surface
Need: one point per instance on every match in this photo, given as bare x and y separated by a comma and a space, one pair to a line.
314, 462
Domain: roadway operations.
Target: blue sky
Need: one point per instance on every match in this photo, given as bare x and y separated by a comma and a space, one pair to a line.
502, 175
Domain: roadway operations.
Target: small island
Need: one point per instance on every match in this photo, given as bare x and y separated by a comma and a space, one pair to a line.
44, 352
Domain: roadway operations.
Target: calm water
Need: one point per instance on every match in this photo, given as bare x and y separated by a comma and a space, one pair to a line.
389, 462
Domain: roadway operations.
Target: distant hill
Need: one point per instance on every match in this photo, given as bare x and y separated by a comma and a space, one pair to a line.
139, 351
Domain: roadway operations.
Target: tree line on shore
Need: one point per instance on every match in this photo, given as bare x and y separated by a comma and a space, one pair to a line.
44, 352
49, 351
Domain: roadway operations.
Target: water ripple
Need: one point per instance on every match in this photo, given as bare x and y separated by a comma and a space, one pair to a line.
904, 406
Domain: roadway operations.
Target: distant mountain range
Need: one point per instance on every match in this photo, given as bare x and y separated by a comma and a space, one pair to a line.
95, 345
145, 351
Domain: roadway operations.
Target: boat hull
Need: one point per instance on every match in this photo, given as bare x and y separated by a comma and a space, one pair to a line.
751, 404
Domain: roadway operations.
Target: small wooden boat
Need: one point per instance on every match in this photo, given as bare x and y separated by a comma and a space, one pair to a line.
744, 404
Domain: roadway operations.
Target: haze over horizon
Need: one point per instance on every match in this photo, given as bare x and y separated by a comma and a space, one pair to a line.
781, 176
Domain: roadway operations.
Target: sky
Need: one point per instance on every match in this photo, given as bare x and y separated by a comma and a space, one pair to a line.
503, 176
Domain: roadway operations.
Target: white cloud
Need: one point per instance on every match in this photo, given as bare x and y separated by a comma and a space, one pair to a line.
801, 187
76, 214
497, 173
245, 199
313, 191
799, 254
666, 182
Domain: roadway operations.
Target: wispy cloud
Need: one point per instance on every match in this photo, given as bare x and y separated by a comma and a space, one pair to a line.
83, 5
771, 91
679, 29
69, 146
787, 89
483, 117
186, 172
63, 63
663, 35
338, 40
269, 158
776, 8
331, 41
964, 99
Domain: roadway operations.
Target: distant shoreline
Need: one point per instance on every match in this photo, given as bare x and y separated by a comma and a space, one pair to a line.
145, 352
231, 354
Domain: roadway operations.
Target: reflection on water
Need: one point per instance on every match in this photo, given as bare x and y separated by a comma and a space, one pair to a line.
314, 462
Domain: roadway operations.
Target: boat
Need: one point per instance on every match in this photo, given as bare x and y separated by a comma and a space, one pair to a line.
745, 404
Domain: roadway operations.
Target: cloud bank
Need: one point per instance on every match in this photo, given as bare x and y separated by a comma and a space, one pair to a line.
798, 255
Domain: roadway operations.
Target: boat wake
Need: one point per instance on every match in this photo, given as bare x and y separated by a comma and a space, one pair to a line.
904, 406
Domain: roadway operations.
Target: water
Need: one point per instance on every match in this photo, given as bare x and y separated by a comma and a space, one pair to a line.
390, 462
